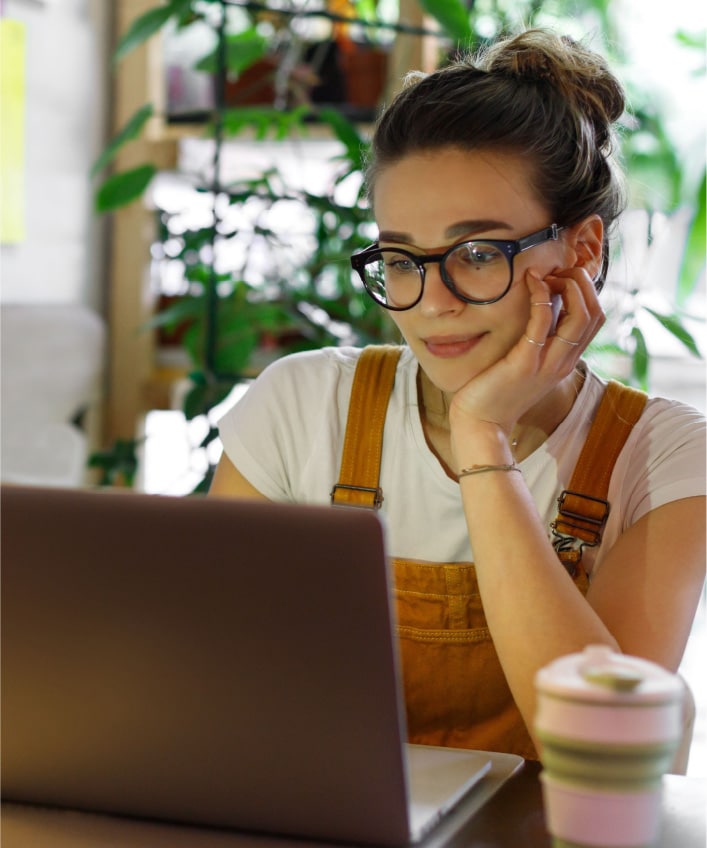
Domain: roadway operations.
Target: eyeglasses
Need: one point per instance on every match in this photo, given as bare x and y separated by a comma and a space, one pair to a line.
474, 271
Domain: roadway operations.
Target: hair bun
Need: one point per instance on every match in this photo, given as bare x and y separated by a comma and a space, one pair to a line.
577, 74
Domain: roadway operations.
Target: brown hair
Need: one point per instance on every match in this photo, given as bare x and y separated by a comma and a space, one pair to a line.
537, 94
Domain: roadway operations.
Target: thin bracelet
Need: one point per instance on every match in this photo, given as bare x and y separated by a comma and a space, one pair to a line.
480, 469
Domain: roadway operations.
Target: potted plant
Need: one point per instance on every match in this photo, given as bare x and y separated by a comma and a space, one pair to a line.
232, 324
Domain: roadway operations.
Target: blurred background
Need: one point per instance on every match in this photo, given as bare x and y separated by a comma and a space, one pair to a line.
181, 191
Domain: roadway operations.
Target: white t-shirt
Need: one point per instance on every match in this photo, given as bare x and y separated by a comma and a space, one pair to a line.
286, 436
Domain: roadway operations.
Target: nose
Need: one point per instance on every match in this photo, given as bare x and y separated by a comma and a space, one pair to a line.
437, 299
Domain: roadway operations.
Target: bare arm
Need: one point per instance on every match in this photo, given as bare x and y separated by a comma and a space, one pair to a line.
228, 481
642, 602
648, 587
645, 594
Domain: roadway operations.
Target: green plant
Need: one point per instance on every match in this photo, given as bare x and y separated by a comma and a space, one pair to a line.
236, 318
118, 465
669, 187
233, 321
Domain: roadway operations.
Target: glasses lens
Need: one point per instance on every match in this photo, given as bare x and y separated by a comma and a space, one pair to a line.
479, 270
393, 279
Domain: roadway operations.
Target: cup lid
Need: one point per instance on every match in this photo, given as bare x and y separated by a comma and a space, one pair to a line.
600, 674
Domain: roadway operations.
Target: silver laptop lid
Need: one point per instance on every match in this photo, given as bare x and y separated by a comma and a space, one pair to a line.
228, 663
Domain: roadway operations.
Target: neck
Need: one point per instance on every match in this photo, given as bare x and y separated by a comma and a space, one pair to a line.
434, 403
528, 433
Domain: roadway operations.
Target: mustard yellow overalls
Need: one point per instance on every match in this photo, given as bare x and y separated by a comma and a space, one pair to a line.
455, 690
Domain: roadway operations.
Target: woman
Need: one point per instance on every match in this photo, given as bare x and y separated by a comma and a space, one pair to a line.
494, 189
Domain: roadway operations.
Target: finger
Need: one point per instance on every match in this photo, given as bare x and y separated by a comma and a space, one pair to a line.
576, 281
549, 347
544, 307
582, 314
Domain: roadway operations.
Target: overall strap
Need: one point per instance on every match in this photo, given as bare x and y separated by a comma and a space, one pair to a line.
363, 442
582, 507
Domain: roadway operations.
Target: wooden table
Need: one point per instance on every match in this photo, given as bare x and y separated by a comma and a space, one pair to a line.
512, 818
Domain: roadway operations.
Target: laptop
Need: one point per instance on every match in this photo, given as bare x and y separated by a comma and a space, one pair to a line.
212, 662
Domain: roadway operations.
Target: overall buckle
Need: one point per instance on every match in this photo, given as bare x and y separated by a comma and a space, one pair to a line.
581, 516
376, 492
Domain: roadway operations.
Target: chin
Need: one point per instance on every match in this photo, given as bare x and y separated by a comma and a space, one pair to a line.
450, 377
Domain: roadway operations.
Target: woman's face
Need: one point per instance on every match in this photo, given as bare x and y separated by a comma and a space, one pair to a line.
429, 201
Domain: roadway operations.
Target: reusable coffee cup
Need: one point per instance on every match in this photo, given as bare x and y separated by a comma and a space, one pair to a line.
609, 726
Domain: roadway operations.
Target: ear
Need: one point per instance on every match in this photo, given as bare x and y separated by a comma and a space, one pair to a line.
586, 240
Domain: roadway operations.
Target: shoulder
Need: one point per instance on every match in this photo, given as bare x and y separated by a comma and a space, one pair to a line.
665, 449
284, 427
668, 428
664, 458
669, 444
673, 421
666, 421
286, 431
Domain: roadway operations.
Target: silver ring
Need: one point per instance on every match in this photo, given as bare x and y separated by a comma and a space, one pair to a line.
566, 341
542, 303
533, 342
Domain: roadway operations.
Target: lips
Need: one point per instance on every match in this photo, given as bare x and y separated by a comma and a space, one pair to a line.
448, 347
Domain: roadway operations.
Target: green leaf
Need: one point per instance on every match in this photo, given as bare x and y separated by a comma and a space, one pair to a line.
213, 433
198, 378
146, 26
202, 488
196, 402
185, 309
130, 131
118, 463
120, 189
238, 118
243, 49
347, 134
200, 399
238, 336
264, 119
640, 359
194, 240
695, 248
294, 119
366, 9
233, 357
452, 15
203, 275
672, 325
604, 348
692, 40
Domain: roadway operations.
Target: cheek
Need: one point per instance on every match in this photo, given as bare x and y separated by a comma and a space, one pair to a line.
400, 319
516, 310
542, 260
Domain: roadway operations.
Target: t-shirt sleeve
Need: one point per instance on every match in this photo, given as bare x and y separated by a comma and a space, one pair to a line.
272, 432
667, 460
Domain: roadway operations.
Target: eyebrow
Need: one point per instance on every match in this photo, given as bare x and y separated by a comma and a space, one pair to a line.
461, 228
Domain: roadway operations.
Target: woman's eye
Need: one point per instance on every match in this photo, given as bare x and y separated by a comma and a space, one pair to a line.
479, 254
400, 264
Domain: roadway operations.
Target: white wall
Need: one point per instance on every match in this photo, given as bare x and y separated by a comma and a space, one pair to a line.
60, 259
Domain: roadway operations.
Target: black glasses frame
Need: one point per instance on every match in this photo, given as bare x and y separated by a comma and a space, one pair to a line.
510, 249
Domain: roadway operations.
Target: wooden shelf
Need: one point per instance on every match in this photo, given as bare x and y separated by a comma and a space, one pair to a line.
137, 381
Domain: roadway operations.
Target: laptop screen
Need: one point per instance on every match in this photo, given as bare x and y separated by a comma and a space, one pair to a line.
220, 662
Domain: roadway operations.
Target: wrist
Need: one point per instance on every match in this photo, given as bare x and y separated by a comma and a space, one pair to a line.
486, 469
480, 443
